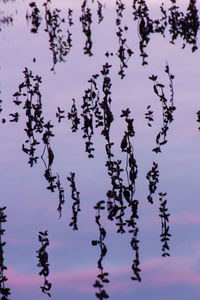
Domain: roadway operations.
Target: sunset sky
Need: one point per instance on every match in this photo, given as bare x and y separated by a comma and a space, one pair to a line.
32, 208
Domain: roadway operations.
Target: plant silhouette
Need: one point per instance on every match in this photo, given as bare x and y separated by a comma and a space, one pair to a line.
43, 261
5, 292
167, 108
102, 276
76, 205
95, 118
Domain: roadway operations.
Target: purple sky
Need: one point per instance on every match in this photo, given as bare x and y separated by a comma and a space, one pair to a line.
31, 208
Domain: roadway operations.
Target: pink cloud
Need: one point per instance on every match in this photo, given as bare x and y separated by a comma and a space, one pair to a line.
80, 280
172, 270
55, 244
182, 218
19, 279
76, 280
155, 272
69, 275
18, 241
177, 276
120, 286
186, 218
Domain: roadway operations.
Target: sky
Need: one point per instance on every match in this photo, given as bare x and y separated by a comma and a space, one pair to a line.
32, 208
